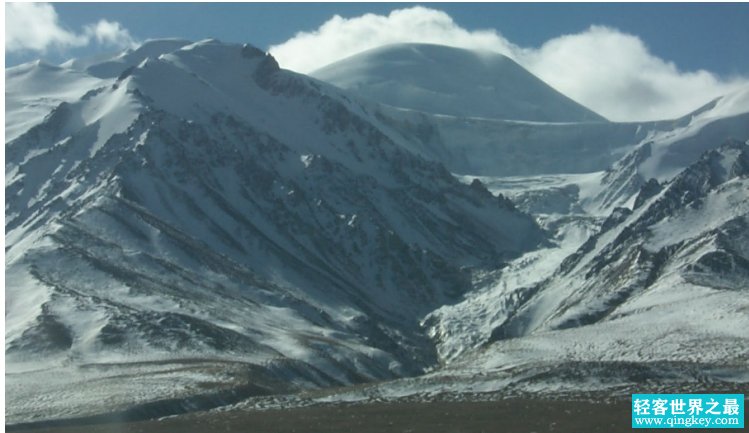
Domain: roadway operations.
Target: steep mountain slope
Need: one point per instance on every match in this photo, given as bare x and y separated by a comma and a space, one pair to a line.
469, 110
658, 294
112, 67
34, 89
500, 148
656, 298
205, 214
700, 213
187, 219
663, 153
454, 81
495, 147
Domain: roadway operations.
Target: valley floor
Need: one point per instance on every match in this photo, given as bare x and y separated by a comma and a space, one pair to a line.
506, 416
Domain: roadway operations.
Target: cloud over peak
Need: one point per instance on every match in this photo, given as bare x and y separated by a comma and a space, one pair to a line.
36, 27
607, 70
615, 74
341, 37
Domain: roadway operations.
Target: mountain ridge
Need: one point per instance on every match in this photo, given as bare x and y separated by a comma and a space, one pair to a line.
453, 81
198, 218
146, 223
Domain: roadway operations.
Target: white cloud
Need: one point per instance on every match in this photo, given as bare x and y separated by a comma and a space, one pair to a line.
603, 68
615, 74
36, 27
341, 37
110, 33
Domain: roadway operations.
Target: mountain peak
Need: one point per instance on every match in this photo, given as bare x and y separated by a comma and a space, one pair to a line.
453, 81
114, 66
218, 51
155, 48
722, 164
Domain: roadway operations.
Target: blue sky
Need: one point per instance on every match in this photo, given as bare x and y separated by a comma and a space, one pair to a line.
693, 35
627, 61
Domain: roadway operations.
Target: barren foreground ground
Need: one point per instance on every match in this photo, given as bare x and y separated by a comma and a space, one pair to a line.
507, 416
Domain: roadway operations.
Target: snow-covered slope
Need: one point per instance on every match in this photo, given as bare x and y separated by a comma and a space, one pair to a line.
454, 81
495, 147
656, 298
659, 294
186, 217
664, 153
700, 212
490, 147
114, 66
205, 207
470, 111
33, 89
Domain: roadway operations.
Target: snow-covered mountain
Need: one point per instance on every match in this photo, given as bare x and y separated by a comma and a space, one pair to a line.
204, 206
655, 298
34, 89
498, 147
664, 153
628, 255
573, 177
471, 111
453, 81
189, 219
686, 233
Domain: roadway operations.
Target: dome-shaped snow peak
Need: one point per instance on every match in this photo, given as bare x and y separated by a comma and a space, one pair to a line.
453, 81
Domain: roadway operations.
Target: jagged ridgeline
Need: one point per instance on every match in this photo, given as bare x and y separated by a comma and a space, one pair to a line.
189, 225
198, 202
